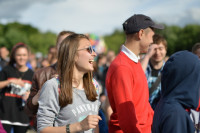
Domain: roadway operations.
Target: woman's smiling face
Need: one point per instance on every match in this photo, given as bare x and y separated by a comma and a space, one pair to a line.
85, 56
21, 56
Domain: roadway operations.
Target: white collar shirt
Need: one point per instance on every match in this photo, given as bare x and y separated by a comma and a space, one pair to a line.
130, 54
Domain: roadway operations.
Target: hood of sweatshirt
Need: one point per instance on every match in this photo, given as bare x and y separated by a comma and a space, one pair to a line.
180, 79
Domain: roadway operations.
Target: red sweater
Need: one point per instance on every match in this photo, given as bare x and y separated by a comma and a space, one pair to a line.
128, 95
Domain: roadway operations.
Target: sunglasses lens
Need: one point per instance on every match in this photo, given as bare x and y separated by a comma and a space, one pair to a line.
90, 49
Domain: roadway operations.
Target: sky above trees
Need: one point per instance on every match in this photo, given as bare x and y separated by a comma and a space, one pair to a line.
96, 16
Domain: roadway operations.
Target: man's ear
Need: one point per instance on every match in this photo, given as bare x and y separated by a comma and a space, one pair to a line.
140, 33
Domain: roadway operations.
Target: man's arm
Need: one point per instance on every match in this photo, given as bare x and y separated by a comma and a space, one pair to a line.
122, 89
144, 61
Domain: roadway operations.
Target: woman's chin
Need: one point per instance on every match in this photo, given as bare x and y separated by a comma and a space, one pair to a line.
91, 69
21, 64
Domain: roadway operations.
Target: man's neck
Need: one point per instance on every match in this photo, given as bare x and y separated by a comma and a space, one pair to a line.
156, 65
133, 47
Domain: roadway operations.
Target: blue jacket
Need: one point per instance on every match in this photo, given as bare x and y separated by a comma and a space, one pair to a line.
180, 83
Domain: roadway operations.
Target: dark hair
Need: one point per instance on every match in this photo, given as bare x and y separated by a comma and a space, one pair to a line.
195, 47
13, 51
66, 62
3, 46
157, 39
100, 56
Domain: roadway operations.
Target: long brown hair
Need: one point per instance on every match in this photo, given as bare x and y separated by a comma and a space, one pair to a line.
66, 61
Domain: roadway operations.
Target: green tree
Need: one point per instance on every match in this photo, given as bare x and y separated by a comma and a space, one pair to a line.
190, 35
12, 33
115, 40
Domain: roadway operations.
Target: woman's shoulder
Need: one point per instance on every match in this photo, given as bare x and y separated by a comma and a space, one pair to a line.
52, 81
50, 86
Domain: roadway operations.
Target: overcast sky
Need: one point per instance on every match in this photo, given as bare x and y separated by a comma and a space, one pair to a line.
96, 16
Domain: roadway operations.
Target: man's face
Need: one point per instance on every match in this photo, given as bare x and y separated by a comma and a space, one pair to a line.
160, 53
146, 40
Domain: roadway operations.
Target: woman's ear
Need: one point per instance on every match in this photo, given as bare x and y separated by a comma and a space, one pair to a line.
76, 57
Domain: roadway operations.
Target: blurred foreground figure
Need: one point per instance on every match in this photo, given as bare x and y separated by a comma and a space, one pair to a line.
180, 82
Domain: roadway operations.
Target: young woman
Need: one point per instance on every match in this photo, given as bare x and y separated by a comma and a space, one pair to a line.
15, 83
70, 102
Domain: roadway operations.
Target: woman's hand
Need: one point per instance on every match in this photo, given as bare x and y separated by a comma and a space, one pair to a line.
91, 121
17, 82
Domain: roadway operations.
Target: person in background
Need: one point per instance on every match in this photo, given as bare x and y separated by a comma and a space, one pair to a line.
70, 102
152, 64
52, 55
39, 78
3, 57
15, 82
180, 82
110, 56
45, 63
196, 113
126, 83
98, 73
33, 61
3, 62
196, 49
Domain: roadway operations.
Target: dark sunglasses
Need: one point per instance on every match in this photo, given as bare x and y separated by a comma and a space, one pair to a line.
89, 49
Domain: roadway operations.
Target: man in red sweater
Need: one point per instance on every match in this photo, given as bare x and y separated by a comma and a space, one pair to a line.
126, 82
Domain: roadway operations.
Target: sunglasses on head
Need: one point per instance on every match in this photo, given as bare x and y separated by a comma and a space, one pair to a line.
89, 49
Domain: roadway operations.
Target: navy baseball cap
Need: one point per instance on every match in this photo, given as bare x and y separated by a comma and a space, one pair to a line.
139, 21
